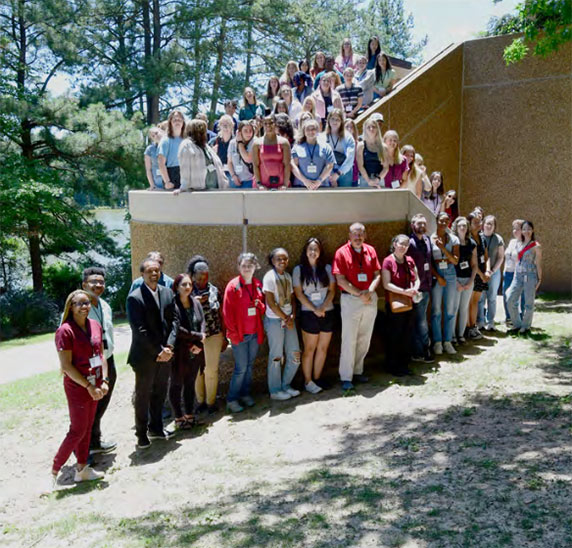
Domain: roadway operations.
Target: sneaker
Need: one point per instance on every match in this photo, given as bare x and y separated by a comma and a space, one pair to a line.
248, 401
524, 331
280, 396
143, 442
102, 447
292, 391
347, 385
438, 348
490, 327
360, 379
513, 331
234, 407
313, 388
477, 334
53, 482
417, 358
87, 473
448, 347
454, 340
428, 357
462, 340
164, 435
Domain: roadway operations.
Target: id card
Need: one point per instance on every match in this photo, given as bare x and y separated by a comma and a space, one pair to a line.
362, 277
443, 265
252, 311
330, 108
464, 265
95, 361
316, 297
349, 108
426, 267
395, 184
312, 168
482, 258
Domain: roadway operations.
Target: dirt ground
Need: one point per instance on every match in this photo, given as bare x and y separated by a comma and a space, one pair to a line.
473, 451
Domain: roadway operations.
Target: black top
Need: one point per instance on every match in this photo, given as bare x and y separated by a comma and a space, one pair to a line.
463, 267
371, 162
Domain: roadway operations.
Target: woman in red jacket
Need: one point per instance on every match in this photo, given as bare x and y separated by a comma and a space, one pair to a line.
243, 311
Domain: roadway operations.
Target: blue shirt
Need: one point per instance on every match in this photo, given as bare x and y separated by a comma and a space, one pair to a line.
343, 147
312, 159
153, 152
169, 148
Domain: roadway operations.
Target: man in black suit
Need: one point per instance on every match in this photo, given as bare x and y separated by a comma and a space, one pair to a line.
149, 354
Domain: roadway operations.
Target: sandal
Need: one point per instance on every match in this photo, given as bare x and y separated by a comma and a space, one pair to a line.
182, 424
193, 421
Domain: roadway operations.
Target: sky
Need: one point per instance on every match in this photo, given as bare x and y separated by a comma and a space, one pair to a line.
446, 21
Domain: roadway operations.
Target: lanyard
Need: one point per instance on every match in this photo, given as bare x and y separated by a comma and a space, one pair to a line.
334, 145
313, 151
249, 293
87, 335
360, 257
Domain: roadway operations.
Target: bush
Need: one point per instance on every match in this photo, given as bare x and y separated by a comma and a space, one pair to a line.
60, 279
25, 312
118, 281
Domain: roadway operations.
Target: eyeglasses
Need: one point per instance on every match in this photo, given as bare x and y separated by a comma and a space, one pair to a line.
81, 304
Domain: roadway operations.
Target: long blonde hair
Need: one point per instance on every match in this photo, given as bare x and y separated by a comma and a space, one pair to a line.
68, 305
285, 75
414, 171
378, 140
397, 156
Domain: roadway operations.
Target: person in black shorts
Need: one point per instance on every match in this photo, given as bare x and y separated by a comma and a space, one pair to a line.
315, 287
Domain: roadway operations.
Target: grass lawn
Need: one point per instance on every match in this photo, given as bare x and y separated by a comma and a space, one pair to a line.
474, 451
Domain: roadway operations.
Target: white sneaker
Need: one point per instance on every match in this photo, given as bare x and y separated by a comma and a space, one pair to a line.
280, 395
438, 348
449, 348
292, 391
87, 473
313, 388
461, 340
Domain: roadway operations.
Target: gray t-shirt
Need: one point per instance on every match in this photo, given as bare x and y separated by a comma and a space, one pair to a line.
492, 243
314, 290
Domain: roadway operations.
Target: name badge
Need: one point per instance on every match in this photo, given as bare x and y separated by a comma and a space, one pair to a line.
482, 259
252, 311
395, 184
426, 267
316, 297
443, 265
349, 108
330, 108
362, 277
312, 168
210, 167
301, 152
95, 361
464, 265
91, 379
157, 173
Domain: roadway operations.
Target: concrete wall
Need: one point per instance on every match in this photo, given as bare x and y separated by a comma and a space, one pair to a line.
502, 136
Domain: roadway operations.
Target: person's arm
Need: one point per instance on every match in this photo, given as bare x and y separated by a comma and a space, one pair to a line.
324, 175
300, 295
451, 256
350, 152
149, 172
242, 150
139, 328
538, 252
359, 104
375, 182
230, 167
417, 281
330, 295
500, 258
228, 313
299, 175
388, 285
271, 303
286, 160
345, 284
70, 370
162, 161
418, 188
256, 165
474, 268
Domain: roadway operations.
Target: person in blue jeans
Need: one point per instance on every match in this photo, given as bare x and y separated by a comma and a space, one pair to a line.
280, 327
495, 246
243, 311
527, 280
420, 251
445, 249
510, 258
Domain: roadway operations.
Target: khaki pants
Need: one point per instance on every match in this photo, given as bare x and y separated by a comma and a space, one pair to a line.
357, 327
207, 382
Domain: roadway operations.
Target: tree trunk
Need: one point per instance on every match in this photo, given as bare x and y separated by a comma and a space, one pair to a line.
218, 67
35, 257
197, 67
248, 45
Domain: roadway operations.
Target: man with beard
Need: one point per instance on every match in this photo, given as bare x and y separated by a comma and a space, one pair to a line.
420, 251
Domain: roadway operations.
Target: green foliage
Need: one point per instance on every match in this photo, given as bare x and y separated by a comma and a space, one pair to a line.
60, 279
545, 24
24, 312
118, 280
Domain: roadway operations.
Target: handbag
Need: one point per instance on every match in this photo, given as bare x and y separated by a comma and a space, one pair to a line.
401, 303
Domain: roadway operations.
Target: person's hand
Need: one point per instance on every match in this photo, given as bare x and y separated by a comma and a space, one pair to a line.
224, 344
176, 192
460, 287
289, 322
538, 285
104, 388
165, 355
486, 277
152, 188
375, 182
236, 180
195, 349
316, 185
203, 337
319, 311
203, 298
441, 281
169, 185
411, 292
365, 296
439, 243
95, 393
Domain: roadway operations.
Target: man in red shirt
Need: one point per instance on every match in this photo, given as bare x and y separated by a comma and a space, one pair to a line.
357, 272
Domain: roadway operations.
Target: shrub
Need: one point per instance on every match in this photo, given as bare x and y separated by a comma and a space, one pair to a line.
25, 312
60, 279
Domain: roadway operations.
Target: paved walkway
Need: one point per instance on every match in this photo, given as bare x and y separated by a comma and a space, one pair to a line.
27, 360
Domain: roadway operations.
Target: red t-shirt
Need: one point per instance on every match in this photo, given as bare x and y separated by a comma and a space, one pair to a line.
70, 336
238, 299
399, 275
354, 265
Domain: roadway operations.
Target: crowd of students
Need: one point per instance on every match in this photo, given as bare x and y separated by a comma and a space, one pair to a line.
181, 326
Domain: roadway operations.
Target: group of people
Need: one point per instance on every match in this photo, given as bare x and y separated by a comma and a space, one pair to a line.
302, 134
180, 326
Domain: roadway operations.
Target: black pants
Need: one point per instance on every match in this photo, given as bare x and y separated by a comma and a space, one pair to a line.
175, 176
397, 339
185, 381
102, 404
151, 380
